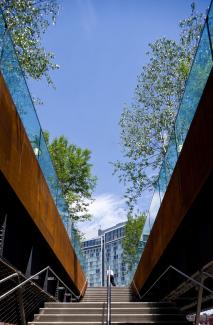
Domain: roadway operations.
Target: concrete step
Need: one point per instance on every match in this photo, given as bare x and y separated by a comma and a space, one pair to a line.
105, 294
105, 299
112, 323
105, 289
99, 304
100, 317
102, 309
113, 289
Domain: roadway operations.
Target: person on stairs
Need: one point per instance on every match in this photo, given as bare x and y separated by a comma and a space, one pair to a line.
111, 274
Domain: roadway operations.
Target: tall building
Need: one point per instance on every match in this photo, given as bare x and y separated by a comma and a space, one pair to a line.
104, 251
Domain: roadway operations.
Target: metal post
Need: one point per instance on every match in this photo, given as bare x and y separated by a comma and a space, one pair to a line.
109, 301
21, 304
57, 291
199, 300
29, 264
45, 286
2, 235
108, 297
65, 297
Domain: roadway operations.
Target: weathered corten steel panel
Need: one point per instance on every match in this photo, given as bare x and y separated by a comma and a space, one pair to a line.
21, 169
193, 168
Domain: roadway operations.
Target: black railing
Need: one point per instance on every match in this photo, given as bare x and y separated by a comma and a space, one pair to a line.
20, 297
108, 296
191, 282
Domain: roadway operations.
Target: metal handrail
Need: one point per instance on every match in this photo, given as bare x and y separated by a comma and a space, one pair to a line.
181, 273
8, 277
31, 278
72, 293
197, 283
108, 297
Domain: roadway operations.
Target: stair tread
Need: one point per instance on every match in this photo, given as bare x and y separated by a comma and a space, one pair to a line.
100, 322
124, 310
119, 307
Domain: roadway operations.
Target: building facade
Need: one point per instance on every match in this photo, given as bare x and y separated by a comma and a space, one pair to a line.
104, 251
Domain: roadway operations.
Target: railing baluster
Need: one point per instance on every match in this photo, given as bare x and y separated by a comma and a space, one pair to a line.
108, 297
21, 304
199, 300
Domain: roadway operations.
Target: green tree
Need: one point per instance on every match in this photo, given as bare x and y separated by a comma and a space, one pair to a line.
132, 237
147, 123
74, 174
27, 20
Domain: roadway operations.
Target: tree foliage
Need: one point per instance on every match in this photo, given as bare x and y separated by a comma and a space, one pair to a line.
132, 237
146, 124
27, 20
74, 174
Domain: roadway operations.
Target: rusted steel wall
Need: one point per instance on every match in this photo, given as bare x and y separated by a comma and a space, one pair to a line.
193, 168
22, 171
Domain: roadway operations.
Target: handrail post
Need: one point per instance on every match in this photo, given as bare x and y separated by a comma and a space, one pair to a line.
3, 235
199, 300
65, 297
57, 290
21, 304
109, 301
108, 297
45, 285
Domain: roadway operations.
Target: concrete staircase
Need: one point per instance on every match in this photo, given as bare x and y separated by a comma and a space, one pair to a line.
118, 294
93, 310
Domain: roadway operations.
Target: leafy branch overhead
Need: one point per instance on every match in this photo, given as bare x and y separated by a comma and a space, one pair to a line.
132, 239
27, 20
75, 175
146, 124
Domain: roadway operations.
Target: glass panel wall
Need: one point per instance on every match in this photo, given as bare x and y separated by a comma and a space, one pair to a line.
198, 76
16, 83
195, 85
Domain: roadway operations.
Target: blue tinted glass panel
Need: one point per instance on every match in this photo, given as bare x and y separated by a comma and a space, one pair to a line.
2, 32
62, 208
194, 88
47, 167
154, 206
16, 83
146, 228
162, 181
19, 91
171, 157
210, 22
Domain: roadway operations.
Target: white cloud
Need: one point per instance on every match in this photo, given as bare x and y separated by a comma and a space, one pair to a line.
88, 17
107, 210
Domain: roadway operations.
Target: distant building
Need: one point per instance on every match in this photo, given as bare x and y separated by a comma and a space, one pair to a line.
103, 251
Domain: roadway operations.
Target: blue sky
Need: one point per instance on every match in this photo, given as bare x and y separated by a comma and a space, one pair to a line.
100, 46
